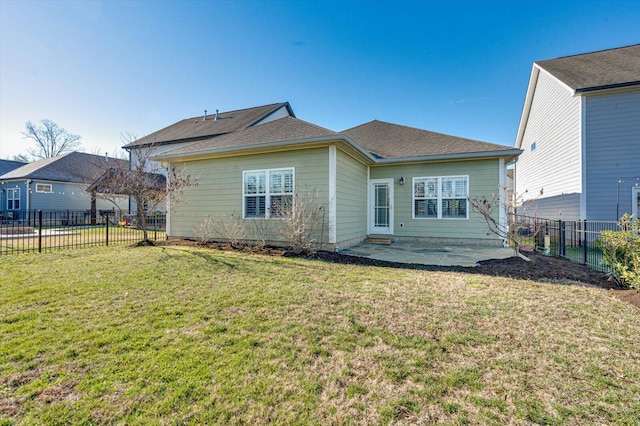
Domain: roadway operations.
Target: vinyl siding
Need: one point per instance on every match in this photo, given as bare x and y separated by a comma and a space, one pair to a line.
565, 207
351, 198
554, 126
612, 151
64, 196
483, 181
218, 192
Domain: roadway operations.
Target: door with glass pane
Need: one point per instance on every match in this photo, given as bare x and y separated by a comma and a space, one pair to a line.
381, 206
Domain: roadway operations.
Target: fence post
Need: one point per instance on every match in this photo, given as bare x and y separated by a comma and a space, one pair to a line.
561, 240
106, 223
39, 231
585, 243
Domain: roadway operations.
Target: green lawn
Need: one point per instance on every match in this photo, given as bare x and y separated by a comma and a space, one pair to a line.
170, 335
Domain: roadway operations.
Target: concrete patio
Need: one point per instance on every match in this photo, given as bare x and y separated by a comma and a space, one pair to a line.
428, 254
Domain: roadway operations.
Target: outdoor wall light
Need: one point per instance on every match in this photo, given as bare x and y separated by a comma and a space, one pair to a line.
401, 180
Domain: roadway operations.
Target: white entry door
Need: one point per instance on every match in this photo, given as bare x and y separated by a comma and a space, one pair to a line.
381, 206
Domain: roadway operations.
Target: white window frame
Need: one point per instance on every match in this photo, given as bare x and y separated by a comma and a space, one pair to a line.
440, 195
15, 196
268, 189
40, 187
635, 201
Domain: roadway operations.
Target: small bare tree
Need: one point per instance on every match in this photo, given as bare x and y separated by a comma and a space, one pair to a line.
51, 140
510, 226
145, 182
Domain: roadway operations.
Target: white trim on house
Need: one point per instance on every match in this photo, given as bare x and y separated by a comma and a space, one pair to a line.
333, 208
368, 198
387, 230
583, 158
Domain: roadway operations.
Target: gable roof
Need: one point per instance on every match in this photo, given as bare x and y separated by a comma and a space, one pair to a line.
197, 128
605, 69
393, 141
586, 73
7, 165
70, 167
282, 130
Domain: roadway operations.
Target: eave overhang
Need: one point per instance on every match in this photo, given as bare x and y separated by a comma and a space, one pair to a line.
341, 140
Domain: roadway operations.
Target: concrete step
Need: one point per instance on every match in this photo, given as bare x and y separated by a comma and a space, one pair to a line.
378, 240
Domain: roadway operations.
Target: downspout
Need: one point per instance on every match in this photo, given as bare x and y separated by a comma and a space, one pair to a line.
28, 200
502, 194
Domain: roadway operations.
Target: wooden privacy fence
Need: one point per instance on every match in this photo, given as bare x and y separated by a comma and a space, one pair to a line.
41, 230
575, 240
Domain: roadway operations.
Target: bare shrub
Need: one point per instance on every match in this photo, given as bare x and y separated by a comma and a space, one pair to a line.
259, 232
516, 209
229, 227
301, 218
204, 229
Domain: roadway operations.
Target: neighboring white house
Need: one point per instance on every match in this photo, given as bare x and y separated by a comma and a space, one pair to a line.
580, 136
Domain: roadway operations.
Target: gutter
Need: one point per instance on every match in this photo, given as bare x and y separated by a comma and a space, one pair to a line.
607, 86
457, 156
338, 138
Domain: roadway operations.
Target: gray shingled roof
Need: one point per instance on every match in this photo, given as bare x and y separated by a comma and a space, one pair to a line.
197, 128
281, 130
7, 165
70, 167
387, 140
611, 68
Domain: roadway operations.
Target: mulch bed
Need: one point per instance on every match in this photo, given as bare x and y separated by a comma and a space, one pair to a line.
538, 268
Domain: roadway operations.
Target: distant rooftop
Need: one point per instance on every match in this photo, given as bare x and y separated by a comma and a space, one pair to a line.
214, 124
70, 167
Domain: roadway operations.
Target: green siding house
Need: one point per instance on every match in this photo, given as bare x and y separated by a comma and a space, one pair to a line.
376, 179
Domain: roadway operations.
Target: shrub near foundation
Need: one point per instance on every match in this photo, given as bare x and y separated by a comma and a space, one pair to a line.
621, 252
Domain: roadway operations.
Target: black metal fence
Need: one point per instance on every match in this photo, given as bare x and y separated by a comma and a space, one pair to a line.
41, 230
574, 240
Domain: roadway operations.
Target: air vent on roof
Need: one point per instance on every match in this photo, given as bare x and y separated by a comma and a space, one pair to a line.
205, 115
217, 115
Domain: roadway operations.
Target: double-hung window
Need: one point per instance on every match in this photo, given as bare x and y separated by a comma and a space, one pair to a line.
441, 197
267, 193
13, 199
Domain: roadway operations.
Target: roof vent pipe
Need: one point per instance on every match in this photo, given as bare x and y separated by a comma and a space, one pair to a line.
217, 115
205, 115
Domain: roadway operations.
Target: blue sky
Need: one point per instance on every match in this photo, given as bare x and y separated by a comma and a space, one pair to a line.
102, 68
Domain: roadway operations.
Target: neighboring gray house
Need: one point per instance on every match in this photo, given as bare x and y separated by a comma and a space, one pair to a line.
7, 165
57, 183
580, 136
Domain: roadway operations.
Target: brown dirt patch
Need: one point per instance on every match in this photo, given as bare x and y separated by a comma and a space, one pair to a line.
538, 268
